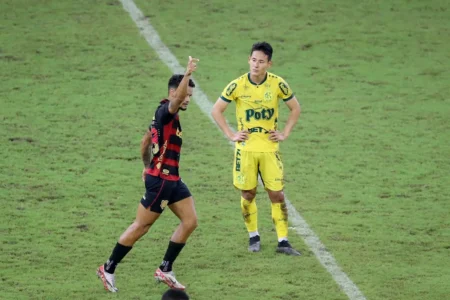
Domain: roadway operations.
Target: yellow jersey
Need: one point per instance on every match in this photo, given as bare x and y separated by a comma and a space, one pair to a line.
257, 108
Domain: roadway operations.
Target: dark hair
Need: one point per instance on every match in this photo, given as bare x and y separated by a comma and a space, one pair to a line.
264, 47
175, 81
175, 295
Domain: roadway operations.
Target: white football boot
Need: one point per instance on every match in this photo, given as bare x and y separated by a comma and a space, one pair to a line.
169, 279
108, 280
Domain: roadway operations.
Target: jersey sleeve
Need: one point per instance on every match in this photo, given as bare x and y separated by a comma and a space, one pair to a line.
229, 93
162, 114
284, 91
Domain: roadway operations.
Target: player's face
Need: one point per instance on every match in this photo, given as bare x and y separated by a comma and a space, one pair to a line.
259, 63
186, 101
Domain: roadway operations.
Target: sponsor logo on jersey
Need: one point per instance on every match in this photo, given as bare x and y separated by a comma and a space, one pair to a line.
231, 89
258, 129
284, 88
264, 114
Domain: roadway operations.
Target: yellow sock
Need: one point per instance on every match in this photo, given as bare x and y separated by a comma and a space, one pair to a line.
280, 220
250, 214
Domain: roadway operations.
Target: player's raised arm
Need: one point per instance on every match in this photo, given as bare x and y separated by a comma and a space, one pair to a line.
217, 113
181, 91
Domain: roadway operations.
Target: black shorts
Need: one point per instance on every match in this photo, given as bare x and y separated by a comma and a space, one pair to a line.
160, 192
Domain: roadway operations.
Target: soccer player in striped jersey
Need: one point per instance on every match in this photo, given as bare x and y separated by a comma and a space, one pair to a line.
163, 185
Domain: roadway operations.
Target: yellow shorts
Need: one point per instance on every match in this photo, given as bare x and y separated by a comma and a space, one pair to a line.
247, 166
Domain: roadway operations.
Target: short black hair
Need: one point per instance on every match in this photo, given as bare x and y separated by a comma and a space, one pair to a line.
264, 47
175, 295
175, 80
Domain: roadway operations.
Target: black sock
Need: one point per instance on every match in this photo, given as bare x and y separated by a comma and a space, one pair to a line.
171, 254
117, 255
284, 243
255, 238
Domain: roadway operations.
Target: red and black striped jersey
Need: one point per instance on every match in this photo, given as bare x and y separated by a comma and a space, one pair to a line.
166, 143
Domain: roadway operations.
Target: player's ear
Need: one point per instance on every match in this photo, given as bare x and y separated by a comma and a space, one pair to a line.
269, 63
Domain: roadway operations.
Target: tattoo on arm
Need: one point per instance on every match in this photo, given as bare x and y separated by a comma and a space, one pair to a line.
145, 149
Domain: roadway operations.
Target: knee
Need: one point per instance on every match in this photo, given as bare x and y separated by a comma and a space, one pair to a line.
191, 224
276, 197
140, 228
249, 195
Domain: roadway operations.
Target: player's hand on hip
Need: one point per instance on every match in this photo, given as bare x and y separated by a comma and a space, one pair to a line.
192, 65
240, 136
276, 136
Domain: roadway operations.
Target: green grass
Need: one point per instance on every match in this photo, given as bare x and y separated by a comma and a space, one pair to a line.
367, 165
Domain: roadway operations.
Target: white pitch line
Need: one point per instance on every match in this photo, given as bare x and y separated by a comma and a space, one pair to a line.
298, 223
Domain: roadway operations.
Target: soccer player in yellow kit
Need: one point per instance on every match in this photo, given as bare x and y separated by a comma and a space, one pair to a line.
257, 95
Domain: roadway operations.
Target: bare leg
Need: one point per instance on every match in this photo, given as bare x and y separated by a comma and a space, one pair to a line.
185, 211
249, 195
144, 220
276, 196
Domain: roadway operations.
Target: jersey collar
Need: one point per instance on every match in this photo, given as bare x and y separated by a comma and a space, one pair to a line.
248, 76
